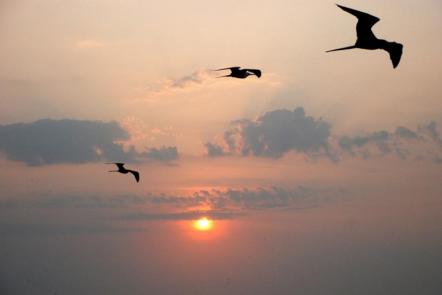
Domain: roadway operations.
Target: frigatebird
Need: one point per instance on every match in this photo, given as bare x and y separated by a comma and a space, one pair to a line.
366, 38
237, 72
123, 170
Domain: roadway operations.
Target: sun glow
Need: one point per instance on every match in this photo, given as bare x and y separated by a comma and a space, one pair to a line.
203, 224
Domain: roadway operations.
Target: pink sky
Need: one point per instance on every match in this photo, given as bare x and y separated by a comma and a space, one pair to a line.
330, 175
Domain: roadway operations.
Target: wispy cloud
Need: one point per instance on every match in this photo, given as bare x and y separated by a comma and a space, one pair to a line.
187, 82
227, 199
188, 215
38, 229
97, 214
201, 78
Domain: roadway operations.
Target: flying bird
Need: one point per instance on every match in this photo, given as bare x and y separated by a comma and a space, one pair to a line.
123, 170
237, 72
366, 38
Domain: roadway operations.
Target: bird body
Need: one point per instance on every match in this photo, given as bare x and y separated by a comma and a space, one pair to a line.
237, 72
366, 38
123, 170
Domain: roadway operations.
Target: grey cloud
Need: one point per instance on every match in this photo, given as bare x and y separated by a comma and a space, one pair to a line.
72, 141
73, 201
35, 229
214, 150
405, 133
65, 141
92, 214
197, 77
235, 199
189, 215
424, 143
432, 131
379, 138
276, 133
281, 131
162, 154
347, 142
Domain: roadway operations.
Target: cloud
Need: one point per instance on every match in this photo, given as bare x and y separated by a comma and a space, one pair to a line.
405, 133
379, 138
72, 141
218, 200
37, 229
77, 214
73, 201
189, 215
64, 141
279, 132
162, 154
431, 130
214, 150
425, 142
274, 134
54, 214
196, 78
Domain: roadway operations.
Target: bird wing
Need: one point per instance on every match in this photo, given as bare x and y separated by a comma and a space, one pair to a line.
395, 51
254, 71
120, 165
231, 68
365, 21
136, 174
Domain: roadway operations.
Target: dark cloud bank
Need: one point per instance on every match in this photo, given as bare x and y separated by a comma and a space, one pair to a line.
279, 132
231, 198
94, 214
272, 135
222, 204
73, 141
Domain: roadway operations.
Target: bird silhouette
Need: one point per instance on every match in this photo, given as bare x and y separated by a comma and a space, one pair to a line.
366, 38
237, 72
123, 170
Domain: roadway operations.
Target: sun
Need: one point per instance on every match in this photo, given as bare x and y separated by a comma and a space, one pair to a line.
203, 224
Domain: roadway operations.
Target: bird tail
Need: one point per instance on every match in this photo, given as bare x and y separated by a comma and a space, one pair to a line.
223, 69
343, 48
229, 68
224, 76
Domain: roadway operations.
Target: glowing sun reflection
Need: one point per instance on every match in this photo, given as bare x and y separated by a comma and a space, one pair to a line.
203, 224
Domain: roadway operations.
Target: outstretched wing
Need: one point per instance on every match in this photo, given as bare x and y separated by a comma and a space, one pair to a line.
365, 21
231, 68
136, 174
254, 71
119, 165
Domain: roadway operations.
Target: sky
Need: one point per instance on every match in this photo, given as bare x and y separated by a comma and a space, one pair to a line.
321, 177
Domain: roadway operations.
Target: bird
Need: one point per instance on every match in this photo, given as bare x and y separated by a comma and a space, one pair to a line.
123, 170
366, 38
237, 72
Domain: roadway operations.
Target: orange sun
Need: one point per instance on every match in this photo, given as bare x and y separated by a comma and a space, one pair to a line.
203, 224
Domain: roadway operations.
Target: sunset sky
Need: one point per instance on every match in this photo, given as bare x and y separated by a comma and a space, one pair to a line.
324, 176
